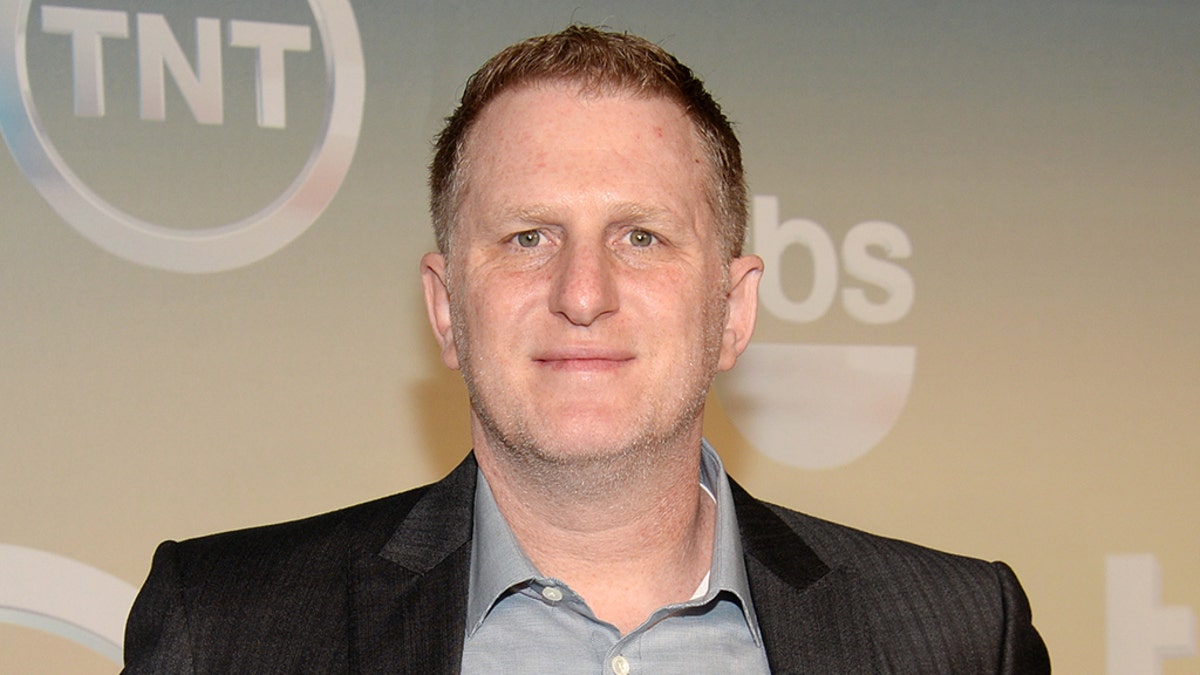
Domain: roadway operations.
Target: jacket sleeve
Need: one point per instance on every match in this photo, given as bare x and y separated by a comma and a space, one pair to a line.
156, 634
1022, 650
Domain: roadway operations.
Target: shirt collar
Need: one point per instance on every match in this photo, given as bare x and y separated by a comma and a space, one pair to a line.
728, 573
498, 563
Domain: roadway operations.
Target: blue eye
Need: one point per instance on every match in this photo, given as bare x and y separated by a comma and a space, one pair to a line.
529, 239
641, 238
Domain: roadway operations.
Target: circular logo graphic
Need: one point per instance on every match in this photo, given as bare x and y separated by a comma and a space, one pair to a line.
817, 406
66, 597
210, 249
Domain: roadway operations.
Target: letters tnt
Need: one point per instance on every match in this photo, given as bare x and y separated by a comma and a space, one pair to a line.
159, 53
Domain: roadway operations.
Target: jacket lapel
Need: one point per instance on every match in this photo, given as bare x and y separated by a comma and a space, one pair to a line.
806, 610
409, 600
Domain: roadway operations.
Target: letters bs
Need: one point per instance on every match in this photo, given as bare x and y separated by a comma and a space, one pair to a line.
771, 238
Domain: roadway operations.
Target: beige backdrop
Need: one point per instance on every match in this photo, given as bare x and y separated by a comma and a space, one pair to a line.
982, 334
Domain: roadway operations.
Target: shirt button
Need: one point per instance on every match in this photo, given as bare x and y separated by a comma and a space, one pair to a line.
620, 665
552, 594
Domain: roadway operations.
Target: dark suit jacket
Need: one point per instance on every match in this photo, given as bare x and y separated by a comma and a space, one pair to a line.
382, 588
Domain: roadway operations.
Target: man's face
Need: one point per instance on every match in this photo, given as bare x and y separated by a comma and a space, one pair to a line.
585, 298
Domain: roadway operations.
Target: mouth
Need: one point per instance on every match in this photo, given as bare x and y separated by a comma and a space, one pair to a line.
583, 360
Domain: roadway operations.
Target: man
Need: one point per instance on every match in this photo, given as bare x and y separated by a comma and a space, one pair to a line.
589, 207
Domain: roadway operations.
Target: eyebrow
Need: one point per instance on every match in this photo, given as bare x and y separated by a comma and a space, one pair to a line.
620, 212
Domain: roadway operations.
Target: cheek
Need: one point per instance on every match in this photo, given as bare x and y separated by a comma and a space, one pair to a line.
669, 314
496, 308
695, 289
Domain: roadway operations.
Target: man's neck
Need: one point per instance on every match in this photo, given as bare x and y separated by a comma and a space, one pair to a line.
633, 545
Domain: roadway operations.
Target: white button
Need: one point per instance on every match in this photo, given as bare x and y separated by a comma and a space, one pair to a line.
552, 594
620, 665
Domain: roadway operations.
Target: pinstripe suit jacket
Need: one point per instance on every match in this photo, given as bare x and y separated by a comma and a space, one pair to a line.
382, 588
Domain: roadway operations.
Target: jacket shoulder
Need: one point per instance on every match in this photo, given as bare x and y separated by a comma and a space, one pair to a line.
258, 599
912, 608
843, 546
309, 541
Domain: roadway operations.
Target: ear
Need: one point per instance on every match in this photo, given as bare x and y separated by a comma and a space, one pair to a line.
744, 273
437, 304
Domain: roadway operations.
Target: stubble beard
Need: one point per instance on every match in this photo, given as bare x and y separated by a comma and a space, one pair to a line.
592, 468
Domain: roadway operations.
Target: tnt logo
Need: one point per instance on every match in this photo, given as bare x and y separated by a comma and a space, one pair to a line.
822, 406
190, 137
159, 54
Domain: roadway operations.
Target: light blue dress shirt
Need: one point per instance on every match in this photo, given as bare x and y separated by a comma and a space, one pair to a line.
519, 621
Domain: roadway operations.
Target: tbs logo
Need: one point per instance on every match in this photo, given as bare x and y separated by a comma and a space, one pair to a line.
189, 137
823, 406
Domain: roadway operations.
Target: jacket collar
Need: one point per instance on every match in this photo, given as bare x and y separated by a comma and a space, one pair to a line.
410, 600
807, 610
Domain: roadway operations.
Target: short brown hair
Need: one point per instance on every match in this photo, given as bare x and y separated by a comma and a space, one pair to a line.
600, 61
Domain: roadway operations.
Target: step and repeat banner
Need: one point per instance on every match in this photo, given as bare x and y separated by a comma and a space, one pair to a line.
981, 225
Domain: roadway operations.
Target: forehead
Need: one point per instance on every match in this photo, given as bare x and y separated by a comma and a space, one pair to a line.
549, 143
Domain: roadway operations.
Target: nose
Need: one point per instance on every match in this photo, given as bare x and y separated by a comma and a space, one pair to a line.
584, 287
